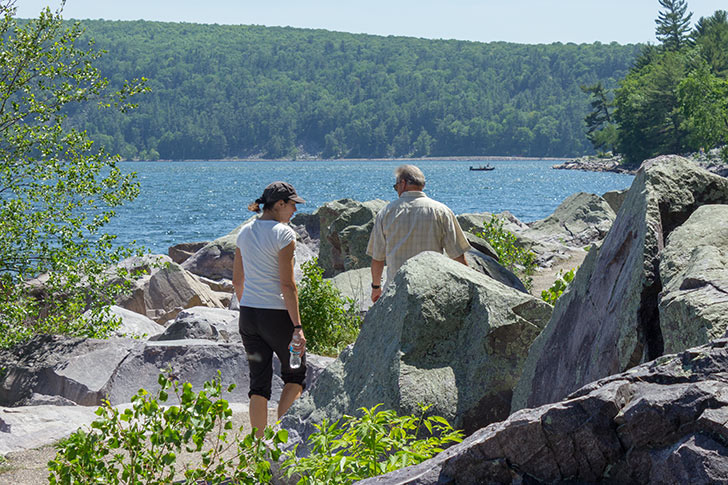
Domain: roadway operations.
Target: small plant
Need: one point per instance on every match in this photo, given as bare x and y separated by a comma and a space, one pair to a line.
378, 442
520, 261
330, 321
141, 444
554, 292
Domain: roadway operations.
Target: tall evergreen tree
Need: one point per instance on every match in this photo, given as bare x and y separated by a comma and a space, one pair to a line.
600, 129
673, 24
711, 35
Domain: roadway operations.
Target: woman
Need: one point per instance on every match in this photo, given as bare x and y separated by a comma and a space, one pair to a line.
269, 317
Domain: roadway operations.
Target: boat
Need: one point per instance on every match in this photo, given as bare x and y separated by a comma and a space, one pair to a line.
482, 168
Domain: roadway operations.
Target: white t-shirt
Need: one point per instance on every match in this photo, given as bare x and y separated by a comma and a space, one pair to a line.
259, 242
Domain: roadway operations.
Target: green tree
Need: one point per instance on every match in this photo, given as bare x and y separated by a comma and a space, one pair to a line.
711, 36
648, 114
600, 128
57, 188
673, 24
703, 98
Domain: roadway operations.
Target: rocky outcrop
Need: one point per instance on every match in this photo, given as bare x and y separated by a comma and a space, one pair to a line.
204, 323
608, 320
615, 198
179, 253
441, 334
694, 274
63, 370
662, 422
164, 289
345, 228
133, 324
581, 219
593, 163
355, 284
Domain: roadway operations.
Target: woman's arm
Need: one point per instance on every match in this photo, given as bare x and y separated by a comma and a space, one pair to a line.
238, 274
289, 289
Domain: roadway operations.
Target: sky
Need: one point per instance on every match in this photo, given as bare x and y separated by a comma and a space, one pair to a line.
521, 21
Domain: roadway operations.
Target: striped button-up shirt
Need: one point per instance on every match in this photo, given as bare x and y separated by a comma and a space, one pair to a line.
410, 225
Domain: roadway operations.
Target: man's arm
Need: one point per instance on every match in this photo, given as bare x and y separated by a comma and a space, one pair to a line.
377, 269
461, 259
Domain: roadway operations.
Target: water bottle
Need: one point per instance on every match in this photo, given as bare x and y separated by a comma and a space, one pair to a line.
295, 360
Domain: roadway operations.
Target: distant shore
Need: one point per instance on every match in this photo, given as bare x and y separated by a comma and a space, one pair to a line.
316, 159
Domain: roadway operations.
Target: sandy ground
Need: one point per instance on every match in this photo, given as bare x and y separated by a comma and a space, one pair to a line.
29, 467
543, 278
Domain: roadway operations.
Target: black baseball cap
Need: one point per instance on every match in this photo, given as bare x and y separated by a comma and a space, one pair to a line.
280, 191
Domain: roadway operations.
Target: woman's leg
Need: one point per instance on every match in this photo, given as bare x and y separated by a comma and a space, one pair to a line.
258, 409
290, 393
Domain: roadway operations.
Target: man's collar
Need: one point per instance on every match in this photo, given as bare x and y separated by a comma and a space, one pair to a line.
412, 194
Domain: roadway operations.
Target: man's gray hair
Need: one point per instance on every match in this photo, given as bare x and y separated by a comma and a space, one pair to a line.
411, 174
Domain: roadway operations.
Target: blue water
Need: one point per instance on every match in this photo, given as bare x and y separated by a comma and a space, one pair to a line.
200, 201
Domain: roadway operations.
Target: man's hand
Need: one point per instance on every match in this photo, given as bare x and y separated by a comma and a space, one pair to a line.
376, 293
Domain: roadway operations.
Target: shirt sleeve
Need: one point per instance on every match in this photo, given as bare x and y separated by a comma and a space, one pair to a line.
454, 240
377, 247
285, 237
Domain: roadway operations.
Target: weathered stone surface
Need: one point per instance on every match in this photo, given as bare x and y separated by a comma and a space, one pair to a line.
355, 284
662, 422
179, 253
489, 266
481, 245
134, 324
607, 321
26, 427
164, 289
345, 228
73, 368
615, 198
579, 220
441, 334
694, 274
204, 323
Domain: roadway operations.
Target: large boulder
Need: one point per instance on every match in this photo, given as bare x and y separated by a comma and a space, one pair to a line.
579, 220
607, 321
165, 290
694, 274
204, 323
179, 253
662, 422
615, 198
441, 334
355, 284
63, 370
133, 324
345, 228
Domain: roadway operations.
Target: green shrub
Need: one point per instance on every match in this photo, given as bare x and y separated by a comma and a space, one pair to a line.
378, 442
520, 261
562, 281
330, 321
141, 444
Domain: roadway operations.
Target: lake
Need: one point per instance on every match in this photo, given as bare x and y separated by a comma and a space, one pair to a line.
200, 201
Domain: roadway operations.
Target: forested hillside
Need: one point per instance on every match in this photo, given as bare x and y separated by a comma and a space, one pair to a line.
237, 91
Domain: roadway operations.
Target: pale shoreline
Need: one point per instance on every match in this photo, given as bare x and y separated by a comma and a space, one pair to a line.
403, 160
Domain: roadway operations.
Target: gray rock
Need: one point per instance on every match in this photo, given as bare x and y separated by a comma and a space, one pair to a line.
579, 220
134, 324
615, 198
356, 284
694, 273
345, 228
179, 253
607, 321
204, 323
481, 245
662, 422
73, 368
489, 266
441, 334
28, 427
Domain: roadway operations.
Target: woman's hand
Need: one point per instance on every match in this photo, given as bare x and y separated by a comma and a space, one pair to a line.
301, 345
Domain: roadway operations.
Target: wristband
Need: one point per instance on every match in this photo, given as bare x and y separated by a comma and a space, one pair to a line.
297, 326
376, 287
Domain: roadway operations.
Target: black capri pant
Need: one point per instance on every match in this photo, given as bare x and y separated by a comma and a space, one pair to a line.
265, 331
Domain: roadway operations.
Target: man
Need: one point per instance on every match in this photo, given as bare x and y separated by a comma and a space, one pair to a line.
410, 225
